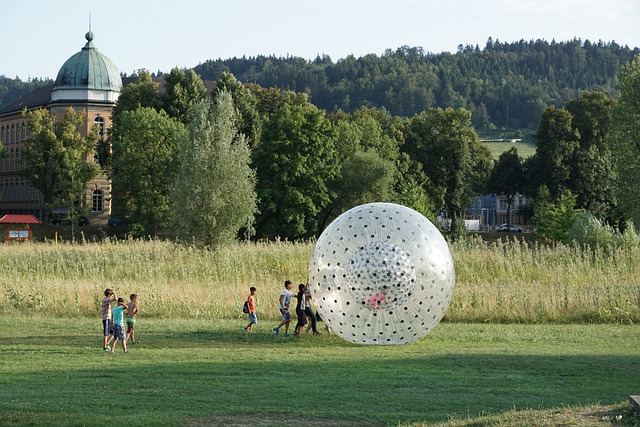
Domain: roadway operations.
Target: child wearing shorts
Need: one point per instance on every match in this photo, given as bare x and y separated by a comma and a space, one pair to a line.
118, 325
132, 310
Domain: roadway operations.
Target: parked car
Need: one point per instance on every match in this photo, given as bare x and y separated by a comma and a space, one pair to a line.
509, 227
113, 221
60, 216
83, 221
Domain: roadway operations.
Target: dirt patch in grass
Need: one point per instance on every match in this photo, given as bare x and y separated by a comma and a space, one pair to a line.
275, 420
595, 416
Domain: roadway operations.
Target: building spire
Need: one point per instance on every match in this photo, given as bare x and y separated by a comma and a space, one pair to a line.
89, 35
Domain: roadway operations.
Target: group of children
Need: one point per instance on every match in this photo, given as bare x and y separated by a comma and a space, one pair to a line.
304, 312
113, 320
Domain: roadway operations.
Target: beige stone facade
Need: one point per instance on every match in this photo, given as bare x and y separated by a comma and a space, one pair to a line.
87, 81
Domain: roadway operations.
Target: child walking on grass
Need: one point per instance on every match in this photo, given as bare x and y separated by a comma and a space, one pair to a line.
302, 316
107, 322
251, 302
132, 310
118, 326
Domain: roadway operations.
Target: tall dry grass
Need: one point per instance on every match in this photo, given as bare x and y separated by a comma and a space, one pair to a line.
501, 282
518, 282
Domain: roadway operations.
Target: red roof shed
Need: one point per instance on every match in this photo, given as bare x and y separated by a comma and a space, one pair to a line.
19, 219
17, 226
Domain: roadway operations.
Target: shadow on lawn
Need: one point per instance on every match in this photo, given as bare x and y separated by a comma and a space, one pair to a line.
189, 339
366, 391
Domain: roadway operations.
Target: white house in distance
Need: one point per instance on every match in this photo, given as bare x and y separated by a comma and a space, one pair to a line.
489, 211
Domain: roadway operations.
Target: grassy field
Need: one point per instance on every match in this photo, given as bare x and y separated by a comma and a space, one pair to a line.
525, 149
192, 372
535, 336
502, 282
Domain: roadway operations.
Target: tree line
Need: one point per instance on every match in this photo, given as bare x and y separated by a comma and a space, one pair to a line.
503, 85
262, 162
13, 89
265, 163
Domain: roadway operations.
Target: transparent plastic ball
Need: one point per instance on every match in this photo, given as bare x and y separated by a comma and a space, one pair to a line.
381, 273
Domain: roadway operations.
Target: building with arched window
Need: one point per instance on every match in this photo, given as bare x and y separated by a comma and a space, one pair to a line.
87, 81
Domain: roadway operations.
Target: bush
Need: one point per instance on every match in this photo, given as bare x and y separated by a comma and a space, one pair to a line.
553, 220
589, 232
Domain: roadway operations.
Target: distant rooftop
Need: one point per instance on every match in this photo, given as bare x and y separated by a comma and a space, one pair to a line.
89, 69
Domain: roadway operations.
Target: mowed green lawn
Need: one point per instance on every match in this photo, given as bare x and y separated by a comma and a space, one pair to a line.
201, 373
525, 149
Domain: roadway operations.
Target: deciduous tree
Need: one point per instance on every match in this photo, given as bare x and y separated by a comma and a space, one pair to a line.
182, 89
367, 156
143, 92
592, 176
296, 163
247, 117
507, 176
57, 158
627, 141
554, 219
144, 165
445, 143
557, 142
214, 193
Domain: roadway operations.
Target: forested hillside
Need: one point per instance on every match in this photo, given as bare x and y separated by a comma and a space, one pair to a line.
13, 89
503, 84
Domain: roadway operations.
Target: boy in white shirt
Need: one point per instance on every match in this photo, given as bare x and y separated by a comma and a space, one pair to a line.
283, 306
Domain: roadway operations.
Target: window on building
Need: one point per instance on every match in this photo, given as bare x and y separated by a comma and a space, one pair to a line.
13, 134
98, 157
2, 139
99, 121
97, 201
23, 132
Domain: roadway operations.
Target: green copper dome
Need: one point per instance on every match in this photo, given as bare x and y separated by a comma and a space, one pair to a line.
89, 69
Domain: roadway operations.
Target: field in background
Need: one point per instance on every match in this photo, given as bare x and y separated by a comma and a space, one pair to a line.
501, 282
525, 149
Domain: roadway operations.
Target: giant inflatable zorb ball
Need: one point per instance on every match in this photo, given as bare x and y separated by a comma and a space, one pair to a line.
381, 273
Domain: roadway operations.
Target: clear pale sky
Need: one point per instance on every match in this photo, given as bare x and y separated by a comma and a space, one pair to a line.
38, 36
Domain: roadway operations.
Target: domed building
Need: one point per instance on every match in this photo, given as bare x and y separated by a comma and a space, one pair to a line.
89, 76
87, 81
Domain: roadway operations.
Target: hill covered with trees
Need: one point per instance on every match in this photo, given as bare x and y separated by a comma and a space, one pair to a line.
504, 85
13, 89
